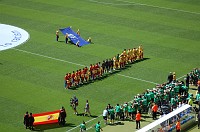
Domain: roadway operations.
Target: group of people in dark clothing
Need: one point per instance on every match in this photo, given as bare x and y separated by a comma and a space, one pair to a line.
62, 116
28, 121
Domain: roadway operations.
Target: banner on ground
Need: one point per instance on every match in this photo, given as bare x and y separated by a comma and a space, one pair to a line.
46, 117
74, 37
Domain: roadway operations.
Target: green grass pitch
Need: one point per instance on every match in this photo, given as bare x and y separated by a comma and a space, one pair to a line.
169, 31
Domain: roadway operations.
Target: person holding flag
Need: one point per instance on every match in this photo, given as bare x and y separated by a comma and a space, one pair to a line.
26, 120
57, 35
31, 121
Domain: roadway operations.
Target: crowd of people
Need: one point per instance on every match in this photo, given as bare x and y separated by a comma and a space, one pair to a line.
194, 76
98, 70
161, 100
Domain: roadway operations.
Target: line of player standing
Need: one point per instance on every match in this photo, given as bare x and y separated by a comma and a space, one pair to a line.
97, 70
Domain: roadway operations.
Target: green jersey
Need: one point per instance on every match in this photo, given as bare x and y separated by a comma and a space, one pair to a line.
125, 107
138, 100
152, 95
130, 109
173, 101
83, 127
198, 97
166, 97
144, 102
112, 112
148, 97
97, 127
156, 100
176, 89
117, 108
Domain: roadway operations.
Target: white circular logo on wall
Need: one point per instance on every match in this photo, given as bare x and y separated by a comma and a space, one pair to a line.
11, 36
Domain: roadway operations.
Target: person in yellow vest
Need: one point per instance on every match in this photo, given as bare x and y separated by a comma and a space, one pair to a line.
132, 56
129, 56
114, 63
125, 56
57, 35
89, 40
66, 38
78, 32
121, 61
174, 76
178, 126
135, 53
137, 119
140, 50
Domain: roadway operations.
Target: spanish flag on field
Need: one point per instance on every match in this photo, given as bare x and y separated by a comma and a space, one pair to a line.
46, 117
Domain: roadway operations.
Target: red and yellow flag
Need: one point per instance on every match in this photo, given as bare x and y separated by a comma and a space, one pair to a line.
46, 117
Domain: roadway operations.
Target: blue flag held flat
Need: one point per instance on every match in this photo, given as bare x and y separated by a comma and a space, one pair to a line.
74, 37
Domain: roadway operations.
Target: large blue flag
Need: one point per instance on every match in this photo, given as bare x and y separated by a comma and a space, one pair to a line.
74, 37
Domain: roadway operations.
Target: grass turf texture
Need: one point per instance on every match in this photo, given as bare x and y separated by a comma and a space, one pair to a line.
29, 82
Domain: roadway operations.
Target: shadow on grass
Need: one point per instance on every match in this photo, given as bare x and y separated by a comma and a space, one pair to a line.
116, 123
105, 75
61, 41
41, 128
82, 114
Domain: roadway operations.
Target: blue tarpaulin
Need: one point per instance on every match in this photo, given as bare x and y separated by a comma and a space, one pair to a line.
74, 37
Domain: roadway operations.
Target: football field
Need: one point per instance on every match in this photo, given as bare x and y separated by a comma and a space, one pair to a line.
32, 74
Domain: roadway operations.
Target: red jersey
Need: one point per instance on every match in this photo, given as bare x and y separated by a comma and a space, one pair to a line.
85, 70
66, 77
73, 75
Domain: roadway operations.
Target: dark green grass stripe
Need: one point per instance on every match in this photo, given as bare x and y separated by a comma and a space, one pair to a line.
153, 10
16, 109
164, 4
191, 2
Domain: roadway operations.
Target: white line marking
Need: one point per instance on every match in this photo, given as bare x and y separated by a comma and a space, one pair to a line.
85, 122
137, 79
180, 77
140, 4
48, 57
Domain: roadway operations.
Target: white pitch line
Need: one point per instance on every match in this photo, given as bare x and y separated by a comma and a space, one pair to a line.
48, 57
85, 122
137, 79
140, 4
180, 77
